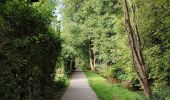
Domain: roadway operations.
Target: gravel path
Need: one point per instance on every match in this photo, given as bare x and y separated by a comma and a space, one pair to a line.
79, 88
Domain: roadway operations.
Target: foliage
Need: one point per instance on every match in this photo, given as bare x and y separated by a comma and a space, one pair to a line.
162, 93
35, 47
102, 26
154, 26
29, 50
101, 23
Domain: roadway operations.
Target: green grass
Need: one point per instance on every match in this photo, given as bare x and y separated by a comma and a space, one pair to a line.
108, 91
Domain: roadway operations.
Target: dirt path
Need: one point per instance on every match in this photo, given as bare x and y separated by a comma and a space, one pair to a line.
79, 88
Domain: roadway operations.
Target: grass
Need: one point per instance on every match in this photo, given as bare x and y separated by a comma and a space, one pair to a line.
108, 91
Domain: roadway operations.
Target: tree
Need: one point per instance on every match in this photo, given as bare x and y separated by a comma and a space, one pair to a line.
134, 42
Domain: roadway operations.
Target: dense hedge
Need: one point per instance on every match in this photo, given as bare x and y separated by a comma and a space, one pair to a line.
29, 49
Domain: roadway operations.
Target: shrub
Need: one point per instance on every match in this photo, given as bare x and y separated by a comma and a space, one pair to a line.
28, 53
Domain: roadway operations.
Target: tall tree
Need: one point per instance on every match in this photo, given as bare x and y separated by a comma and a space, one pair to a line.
134, 42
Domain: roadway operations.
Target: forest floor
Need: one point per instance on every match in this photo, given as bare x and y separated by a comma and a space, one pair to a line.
79, 88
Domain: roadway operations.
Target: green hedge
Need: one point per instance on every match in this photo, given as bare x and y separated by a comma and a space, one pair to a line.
29, 50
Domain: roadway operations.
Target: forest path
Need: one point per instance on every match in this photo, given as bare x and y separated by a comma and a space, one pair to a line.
79, 88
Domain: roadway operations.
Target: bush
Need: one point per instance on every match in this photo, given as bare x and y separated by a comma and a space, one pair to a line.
162, 93
28, 52
112, 71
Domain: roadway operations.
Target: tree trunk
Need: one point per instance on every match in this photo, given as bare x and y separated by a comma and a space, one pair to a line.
71, 64
92, 57
134, 42
94, 60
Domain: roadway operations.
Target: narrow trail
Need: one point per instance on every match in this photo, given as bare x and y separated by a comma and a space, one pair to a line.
79, 88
